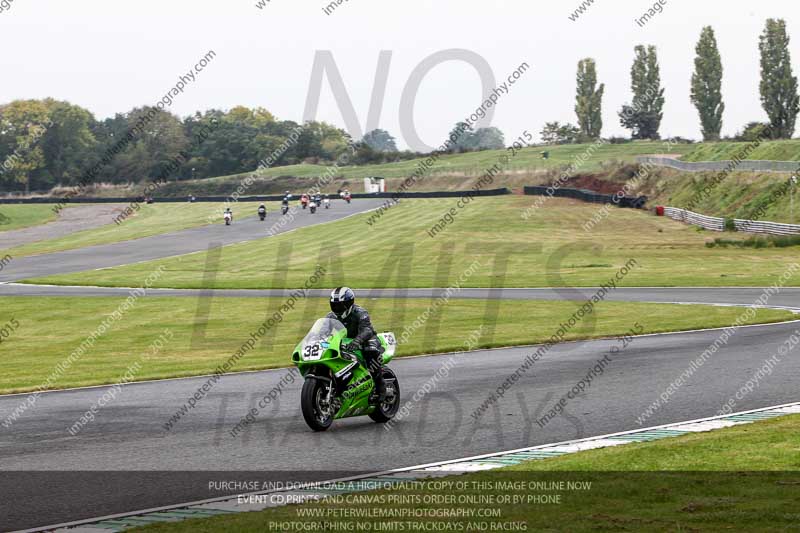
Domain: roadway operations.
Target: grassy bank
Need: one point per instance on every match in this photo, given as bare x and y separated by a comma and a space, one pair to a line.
550, 248
740, 478
743, 195
448, 172
15, 216
50, 329
727, 151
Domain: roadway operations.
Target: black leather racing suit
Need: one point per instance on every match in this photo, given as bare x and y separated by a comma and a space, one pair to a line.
359, 328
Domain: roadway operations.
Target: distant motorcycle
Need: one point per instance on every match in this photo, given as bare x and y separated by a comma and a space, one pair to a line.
313, 207
327, 202
347, 198
228, 218
284, 209
262, 213
304, 201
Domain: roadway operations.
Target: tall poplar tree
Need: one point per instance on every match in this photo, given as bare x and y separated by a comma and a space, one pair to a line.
643, 117
778, 84
707, 85
589, 100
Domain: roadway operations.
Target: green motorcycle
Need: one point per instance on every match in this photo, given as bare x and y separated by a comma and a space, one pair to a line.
337, 383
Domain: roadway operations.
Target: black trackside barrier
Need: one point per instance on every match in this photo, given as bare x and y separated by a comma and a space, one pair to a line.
435, 194
269, 198
631, 202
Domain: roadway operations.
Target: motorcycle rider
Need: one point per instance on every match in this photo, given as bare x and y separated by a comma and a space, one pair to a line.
262, 210
228, 213
359, 328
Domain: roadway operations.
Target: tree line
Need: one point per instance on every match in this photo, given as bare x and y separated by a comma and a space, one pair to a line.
643, 115
47, 143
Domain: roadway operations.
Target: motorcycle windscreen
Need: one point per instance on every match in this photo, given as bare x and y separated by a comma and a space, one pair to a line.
312, 348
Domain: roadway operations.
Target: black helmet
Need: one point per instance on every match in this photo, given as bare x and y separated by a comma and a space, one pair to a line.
342, 300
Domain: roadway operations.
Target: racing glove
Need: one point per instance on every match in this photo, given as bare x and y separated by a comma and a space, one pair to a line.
351, 346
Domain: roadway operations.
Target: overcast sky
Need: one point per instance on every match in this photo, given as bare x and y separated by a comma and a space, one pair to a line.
111, 56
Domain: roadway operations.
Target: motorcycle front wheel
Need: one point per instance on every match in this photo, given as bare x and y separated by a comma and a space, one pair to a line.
388, 408
313, 402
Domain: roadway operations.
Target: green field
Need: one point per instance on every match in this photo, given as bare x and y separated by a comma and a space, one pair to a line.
17, 216
736, 479
726, 151
148, 220
50, 329
549, 249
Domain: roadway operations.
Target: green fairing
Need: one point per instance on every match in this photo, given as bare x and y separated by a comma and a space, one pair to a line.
355, 397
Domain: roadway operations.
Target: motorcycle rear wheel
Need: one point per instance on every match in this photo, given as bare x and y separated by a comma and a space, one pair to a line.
312, 399
386, 410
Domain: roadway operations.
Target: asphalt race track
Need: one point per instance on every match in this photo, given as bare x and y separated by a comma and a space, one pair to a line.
178, 243
129, 434
126, 460
787, 297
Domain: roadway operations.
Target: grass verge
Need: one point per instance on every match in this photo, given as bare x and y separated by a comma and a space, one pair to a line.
23, 216
551, 248
148, 220
741, 478
50, 329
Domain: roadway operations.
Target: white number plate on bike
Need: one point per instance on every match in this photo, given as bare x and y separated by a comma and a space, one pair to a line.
312, 352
